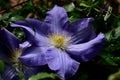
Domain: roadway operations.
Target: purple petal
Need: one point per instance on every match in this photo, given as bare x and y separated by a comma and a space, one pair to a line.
8, 39
82, 30
10, 74
33, 56
86, 51
25, 45
40, 27
61, 62
56, 18
4, 54
32, 36
78, 25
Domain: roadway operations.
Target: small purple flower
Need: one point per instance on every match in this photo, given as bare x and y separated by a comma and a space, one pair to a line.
10, 52
64, 44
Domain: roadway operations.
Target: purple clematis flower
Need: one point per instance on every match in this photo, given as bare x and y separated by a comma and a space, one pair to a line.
64, 44
10, 52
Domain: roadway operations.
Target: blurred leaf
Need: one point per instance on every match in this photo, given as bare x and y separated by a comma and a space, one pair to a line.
108, 13
15, 18
69, 7
107, 59
83, 77
117, 32
113, 34
109, 35
40, 76
118, 22
19, 33
9, 17
20, 74
72, 18
117, 59
114, 76
5, 16
84, 4
1, 67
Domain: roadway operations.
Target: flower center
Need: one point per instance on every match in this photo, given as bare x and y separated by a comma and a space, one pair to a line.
19, 66
59, 41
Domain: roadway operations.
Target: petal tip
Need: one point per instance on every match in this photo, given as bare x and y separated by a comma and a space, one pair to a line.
101, 35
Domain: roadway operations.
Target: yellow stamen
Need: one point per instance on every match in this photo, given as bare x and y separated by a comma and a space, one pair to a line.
16, 54
19, 66
58, 40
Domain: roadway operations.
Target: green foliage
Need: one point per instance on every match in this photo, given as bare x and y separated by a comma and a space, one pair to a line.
41, 76
20, 74
10, 17
1, 67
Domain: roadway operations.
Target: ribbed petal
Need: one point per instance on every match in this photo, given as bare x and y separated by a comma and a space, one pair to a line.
81, 30
10, 74
9, 40
33, 56
39, 27
61, 63
78, 25
32, 36
86, 51
56, 18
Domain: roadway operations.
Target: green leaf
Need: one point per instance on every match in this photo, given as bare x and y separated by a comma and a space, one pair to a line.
40, 76
108, 13
69, 7
114, 76
6, 16
118, 22
117, 32
1, 67
113, 34
72, 18
107, 59
20, 74
109, 35
15, 18
19, 33
84, 4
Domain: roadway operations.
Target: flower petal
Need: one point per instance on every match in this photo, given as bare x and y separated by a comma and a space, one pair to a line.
10, 74
82, 30
8, 39
4, 54
61, 62
40, 27
86, 51
78, 25
33, 56
25, 45
57, 18
32, 36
